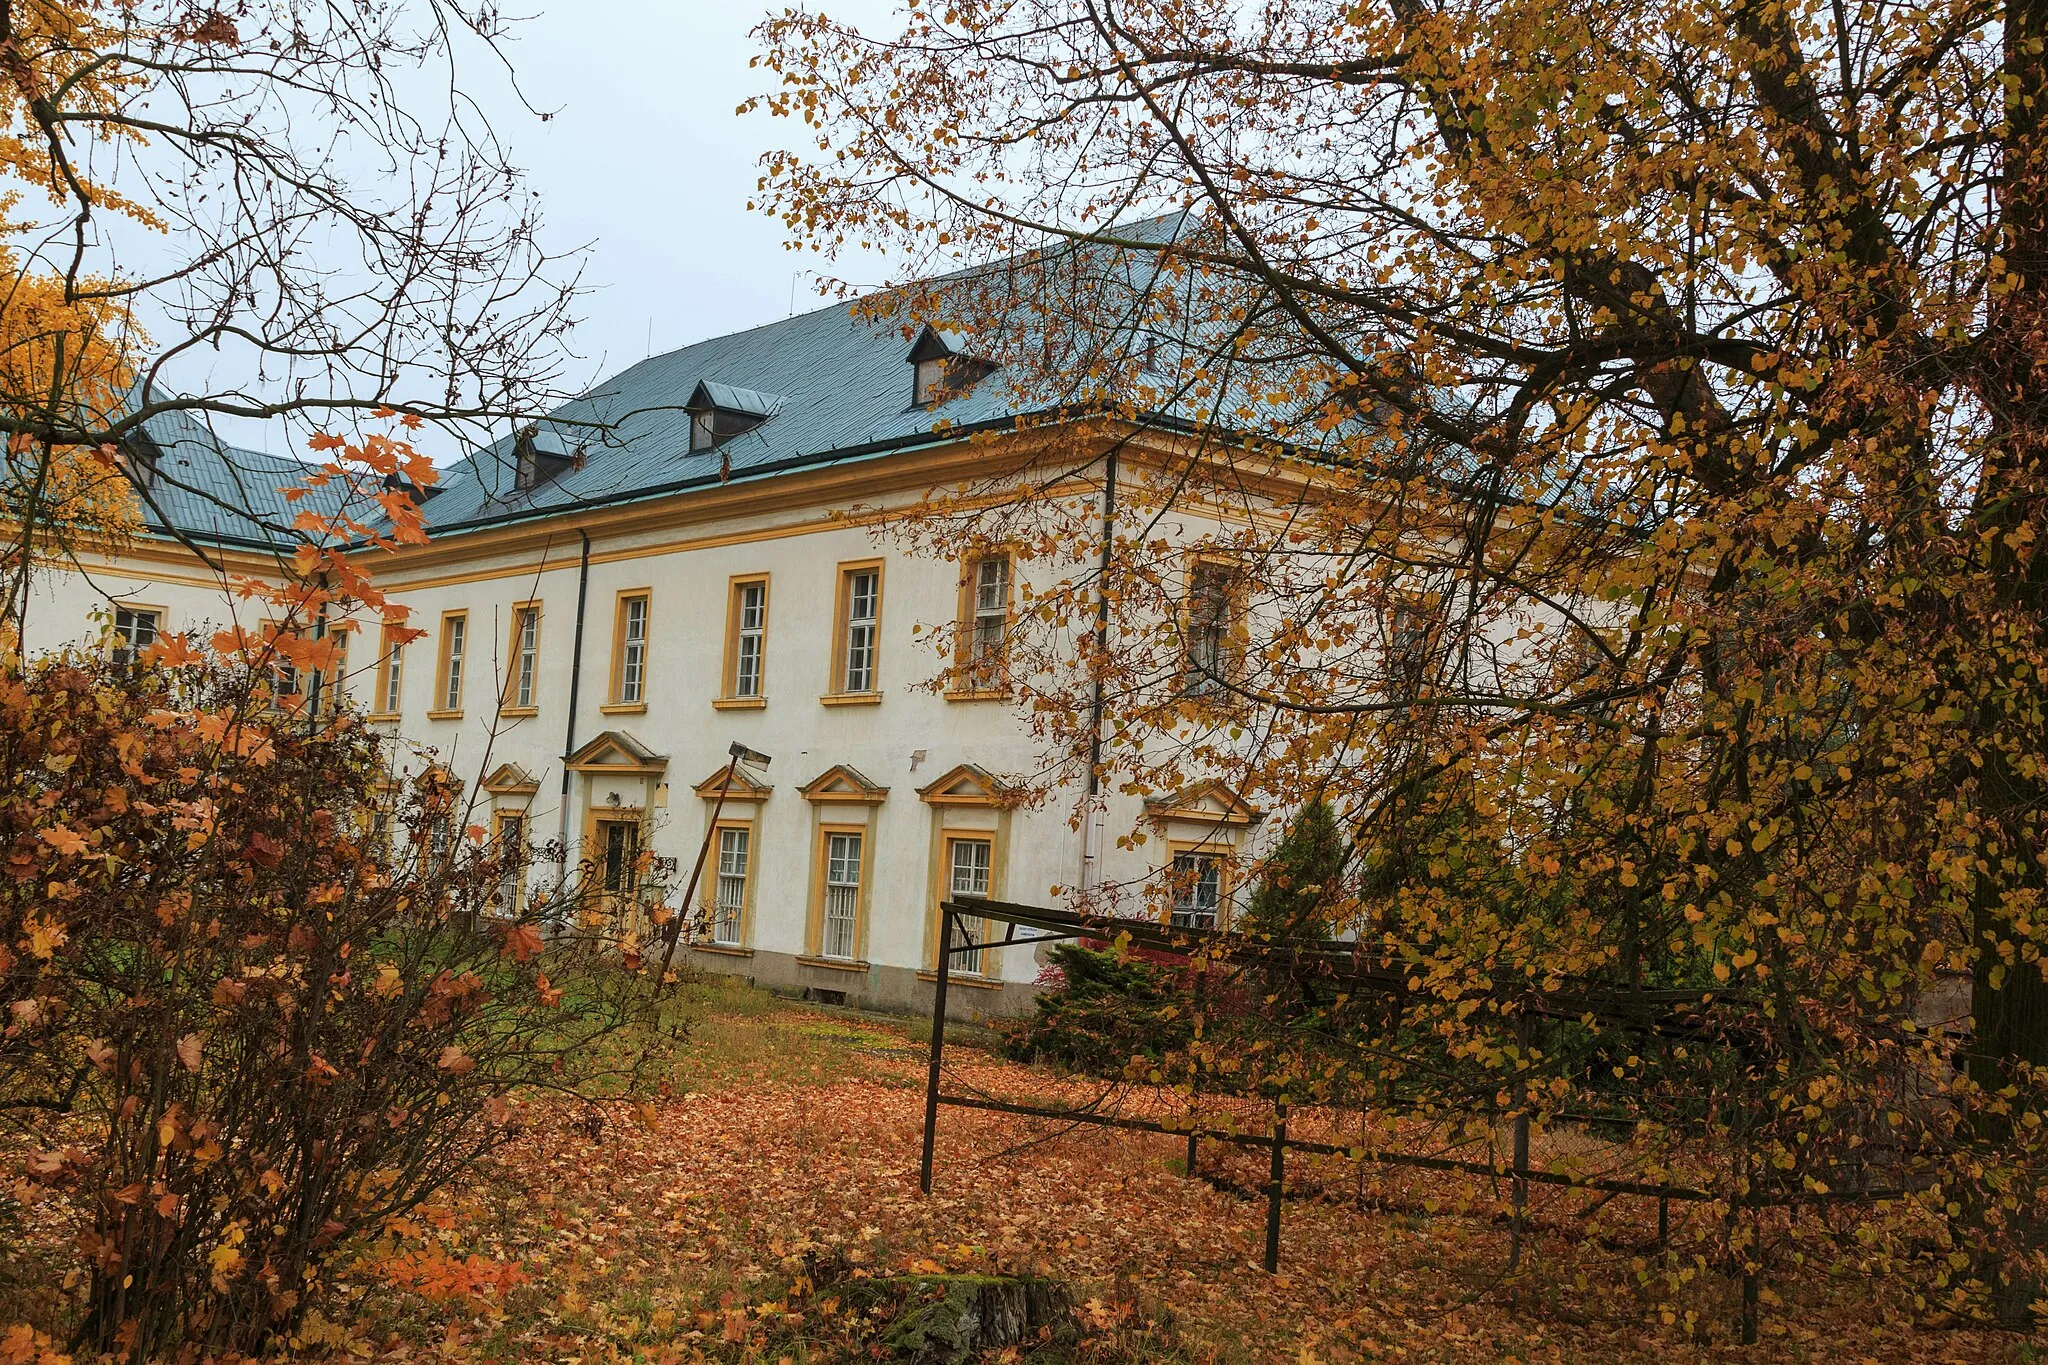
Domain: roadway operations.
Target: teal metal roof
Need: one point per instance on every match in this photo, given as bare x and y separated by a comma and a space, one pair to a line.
834, 385
222, 494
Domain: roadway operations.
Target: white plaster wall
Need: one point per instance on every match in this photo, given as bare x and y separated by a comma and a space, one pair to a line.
71, 606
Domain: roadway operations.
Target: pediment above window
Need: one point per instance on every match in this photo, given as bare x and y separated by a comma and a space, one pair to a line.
509, 779
844, 783
967, 785
617, 752
1209, 802
743, 786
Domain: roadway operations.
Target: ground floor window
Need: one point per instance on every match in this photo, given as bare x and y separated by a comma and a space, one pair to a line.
735, 849
1197, 890
511, 862
135, 629
969, 861
620, 846
842, 895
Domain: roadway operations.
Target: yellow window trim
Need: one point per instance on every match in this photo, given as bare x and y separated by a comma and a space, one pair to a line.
1226, 877
834, 684
940, 888
387, 658
814, 929
440, 710
729, 678
498, 821
619, 601
709, 886
963, 629
511, 688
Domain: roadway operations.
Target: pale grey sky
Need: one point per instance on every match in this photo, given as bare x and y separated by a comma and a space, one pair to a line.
645, 160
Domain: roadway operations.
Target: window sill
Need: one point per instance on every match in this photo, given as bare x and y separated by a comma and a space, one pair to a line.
836, 964
623, 708
850, 699
722, 949
739, 703
986, 983
978, 694
519, 712
382, 718
456, 714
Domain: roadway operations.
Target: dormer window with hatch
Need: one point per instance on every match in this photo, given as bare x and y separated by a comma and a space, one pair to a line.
719, 412
942, 367
539, 455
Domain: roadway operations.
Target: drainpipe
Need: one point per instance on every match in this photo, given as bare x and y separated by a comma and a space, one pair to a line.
575, 686
1092, 831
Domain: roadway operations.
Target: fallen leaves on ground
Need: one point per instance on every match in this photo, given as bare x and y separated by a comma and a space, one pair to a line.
694, 1227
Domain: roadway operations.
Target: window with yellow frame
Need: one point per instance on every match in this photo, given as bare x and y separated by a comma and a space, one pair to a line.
839, 903
632, 617
730, 895
135, 627
389, 684
746, 642
509, 838
454, 665
1211, 626
522, 662
981, 664
1201, 885
857, 633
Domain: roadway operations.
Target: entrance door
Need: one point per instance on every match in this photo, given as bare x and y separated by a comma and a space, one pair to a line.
614, 852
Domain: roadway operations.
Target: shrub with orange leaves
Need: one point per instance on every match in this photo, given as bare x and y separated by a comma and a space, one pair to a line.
237, 1029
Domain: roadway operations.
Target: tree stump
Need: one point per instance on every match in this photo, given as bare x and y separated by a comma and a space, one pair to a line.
947, 1318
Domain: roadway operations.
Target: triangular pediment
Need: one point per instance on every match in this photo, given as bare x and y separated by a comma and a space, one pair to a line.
968, 784
744, 786
1210, 802
615, 751
843, 782
509, 779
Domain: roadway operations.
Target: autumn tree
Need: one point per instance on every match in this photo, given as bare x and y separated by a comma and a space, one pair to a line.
257, 1002
1631, 423
241, 213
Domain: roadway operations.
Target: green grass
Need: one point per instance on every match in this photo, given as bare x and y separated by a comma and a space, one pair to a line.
735, 1034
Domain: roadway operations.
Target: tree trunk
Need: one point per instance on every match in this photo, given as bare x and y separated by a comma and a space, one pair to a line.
2009, 999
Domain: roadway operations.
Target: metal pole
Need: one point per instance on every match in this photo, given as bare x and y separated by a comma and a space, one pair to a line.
931, 1084
1273, 1190
690, 892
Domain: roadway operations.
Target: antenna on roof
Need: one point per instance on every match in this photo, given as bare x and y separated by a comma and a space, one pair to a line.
650, 334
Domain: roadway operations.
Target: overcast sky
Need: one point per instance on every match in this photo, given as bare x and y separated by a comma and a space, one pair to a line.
645, 160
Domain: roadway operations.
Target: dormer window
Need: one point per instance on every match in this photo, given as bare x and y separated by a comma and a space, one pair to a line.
539, 456
926, 381
719, 412
942, 367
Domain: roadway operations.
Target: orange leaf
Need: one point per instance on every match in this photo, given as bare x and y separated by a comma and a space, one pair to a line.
65, 840
522, 942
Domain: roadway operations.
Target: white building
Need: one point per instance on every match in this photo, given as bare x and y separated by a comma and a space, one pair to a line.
695, 555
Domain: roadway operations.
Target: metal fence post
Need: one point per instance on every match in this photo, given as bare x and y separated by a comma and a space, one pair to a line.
931, 1085
1273, 1190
